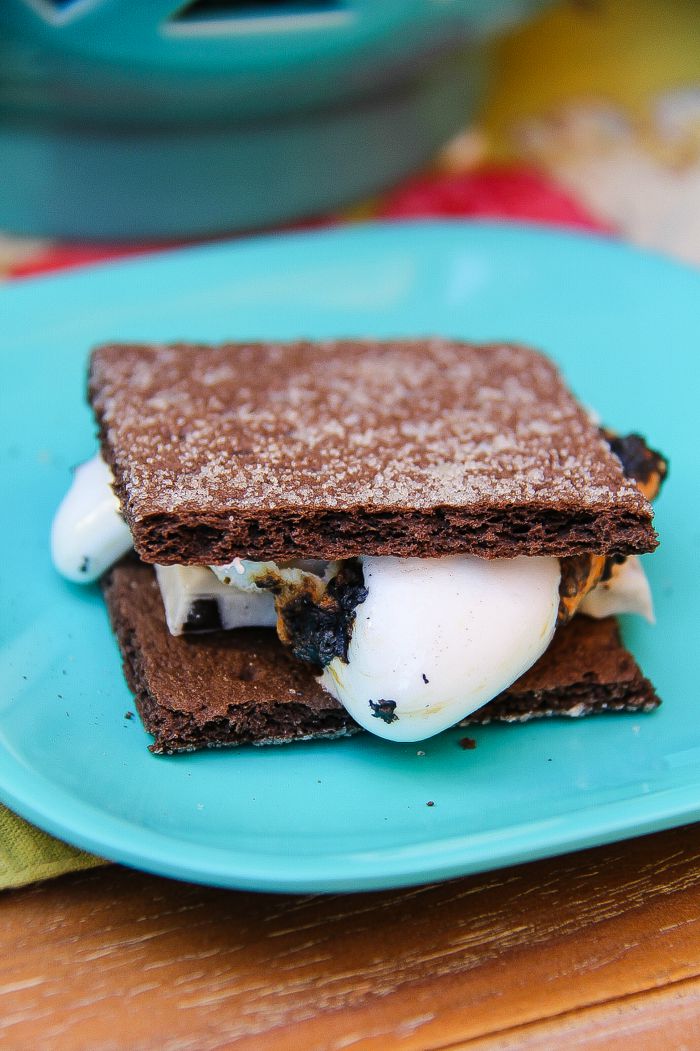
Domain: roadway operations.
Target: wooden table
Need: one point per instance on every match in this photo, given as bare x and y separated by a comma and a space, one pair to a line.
599, 949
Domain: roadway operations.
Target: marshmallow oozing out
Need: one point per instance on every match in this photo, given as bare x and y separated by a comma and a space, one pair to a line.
88, 533
195, 600
627, 591
436, 638
247, 576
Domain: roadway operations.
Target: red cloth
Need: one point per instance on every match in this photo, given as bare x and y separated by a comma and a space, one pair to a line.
492, 192
62, 257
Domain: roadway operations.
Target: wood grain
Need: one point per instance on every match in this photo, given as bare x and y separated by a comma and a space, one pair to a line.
600, 949
668, 1017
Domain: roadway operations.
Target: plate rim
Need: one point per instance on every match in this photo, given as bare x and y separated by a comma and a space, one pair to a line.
380, 227
444, 858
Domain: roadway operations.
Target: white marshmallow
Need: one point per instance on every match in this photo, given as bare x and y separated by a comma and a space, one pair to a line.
88, 534
183, 586
437, 638
627, 591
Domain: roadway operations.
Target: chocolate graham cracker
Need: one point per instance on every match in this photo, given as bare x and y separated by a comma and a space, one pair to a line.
240, 687
222, 688
421, 447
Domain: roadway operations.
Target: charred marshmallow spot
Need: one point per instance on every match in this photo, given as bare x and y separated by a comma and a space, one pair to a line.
385, 710
315, 602
321, 632
441, 637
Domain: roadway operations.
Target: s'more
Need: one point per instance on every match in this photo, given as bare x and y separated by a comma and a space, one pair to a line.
303, 540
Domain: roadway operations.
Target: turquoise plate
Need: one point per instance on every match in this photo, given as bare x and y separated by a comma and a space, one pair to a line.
349, 814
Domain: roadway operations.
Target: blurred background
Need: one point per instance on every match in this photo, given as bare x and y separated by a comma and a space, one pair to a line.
128, 127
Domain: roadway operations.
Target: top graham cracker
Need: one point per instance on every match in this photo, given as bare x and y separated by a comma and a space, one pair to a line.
405, 447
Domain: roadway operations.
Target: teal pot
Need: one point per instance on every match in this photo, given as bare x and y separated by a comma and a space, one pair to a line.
159, 119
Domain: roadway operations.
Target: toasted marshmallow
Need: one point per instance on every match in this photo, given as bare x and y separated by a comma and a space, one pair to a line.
627, 591
251, 576
437, 638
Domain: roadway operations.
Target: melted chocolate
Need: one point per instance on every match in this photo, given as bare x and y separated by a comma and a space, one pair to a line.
203, 615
